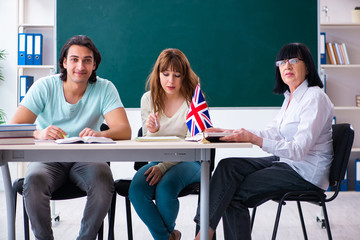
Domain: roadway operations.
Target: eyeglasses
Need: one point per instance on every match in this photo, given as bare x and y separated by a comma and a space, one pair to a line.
290, 61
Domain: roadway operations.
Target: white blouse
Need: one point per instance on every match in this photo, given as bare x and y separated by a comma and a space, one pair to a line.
301, 134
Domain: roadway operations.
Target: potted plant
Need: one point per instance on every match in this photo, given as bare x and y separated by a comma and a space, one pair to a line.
2, 113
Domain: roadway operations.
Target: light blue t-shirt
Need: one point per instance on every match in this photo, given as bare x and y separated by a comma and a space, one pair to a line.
46, 99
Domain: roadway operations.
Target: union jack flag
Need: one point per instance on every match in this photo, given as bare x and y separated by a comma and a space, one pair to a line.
198, 118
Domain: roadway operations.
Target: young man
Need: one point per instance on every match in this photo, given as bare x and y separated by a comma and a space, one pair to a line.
73, 103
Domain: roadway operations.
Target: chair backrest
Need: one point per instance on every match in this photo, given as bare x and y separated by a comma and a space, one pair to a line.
343, 137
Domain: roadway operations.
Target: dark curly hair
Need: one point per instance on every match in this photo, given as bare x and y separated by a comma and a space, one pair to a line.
80, 40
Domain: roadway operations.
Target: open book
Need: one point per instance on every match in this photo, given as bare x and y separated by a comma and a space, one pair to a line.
209, 136
86, 139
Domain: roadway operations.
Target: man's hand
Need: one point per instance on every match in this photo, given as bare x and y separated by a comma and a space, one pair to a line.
90, 132
50, 133
154, 175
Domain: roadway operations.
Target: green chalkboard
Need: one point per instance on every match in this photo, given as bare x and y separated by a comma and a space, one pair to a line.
231, 44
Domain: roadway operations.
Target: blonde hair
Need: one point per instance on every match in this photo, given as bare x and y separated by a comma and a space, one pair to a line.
175, 60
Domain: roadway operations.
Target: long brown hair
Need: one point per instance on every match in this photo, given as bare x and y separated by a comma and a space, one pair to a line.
175, 60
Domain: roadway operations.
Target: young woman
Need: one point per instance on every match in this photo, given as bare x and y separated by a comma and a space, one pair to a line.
163, 111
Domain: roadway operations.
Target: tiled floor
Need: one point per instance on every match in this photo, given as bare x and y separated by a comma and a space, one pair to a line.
343, 213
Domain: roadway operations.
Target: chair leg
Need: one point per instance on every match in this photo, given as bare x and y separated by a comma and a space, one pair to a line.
252, 218
26, 223
128, 218
327, 223
276, 224
302, 220
101, 232
111, 217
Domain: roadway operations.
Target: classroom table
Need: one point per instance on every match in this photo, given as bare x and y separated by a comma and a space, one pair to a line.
120, 151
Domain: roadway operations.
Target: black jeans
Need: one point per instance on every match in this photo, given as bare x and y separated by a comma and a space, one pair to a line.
236, 180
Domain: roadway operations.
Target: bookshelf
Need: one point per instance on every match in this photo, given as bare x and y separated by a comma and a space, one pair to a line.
342, 81
36, 17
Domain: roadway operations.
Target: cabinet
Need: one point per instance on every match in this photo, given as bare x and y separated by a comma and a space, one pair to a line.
36, 17
343, 81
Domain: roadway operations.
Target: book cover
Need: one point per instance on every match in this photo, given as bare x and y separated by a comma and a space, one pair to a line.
16, 133
346, 53
322, 48
17, 140
11, 127
209, 136
215, 136
338, 53
86, 139
330, 53
342, 53
336, 59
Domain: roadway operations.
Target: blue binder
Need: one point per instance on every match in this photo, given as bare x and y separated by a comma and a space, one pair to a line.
25, 84
22, 49
322, 48
38, 40
29, 49
357, 175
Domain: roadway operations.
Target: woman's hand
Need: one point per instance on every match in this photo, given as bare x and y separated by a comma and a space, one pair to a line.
152, 123
50, 133
154, 175
243, 135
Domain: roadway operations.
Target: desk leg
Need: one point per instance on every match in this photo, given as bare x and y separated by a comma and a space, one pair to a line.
10, 207
204, 194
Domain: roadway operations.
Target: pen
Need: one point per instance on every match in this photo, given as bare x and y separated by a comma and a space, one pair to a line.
64, 136
156, 123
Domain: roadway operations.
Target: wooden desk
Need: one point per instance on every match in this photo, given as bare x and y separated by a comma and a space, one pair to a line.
121, 151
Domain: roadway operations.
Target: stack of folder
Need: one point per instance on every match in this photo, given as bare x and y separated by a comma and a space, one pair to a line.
11, 134
30, 49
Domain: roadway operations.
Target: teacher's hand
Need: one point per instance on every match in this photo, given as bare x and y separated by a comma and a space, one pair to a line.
243, 135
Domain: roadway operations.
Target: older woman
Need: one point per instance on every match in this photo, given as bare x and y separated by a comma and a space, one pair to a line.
299, 139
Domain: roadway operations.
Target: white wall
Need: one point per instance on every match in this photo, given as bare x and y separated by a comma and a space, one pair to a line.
337, 14
8, 41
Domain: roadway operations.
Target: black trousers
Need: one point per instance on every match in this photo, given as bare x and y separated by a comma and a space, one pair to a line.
237, 180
